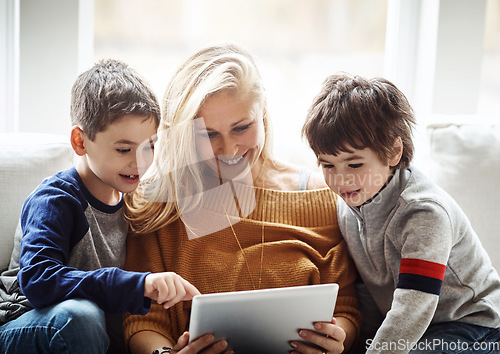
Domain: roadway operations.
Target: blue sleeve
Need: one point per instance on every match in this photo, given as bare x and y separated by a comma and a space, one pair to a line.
53, 221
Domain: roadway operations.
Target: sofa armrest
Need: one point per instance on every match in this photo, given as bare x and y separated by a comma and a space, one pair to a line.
464, 160
25, 160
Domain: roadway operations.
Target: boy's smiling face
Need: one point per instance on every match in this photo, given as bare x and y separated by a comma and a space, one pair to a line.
115, 159
357, 175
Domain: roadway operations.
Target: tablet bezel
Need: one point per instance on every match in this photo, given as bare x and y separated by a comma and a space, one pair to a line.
264, 320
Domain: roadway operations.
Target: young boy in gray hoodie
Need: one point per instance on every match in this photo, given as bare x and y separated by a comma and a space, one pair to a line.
417, 255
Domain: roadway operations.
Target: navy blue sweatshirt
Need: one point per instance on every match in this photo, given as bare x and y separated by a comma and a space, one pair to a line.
73, 246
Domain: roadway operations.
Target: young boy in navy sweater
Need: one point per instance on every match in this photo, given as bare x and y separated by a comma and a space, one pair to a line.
74, 231
417, 255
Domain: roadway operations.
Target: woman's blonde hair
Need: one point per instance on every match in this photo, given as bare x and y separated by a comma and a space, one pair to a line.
176, 171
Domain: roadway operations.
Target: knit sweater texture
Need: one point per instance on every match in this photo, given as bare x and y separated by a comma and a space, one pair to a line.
420, 259
302, 246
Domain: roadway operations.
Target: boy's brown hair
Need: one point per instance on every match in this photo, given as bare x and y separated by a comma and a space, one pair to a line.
354, 112
107, 92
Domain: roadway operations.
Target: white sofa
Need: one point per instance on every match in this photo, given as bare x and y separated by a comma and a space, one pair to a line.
465, 161
462, 159
25, 160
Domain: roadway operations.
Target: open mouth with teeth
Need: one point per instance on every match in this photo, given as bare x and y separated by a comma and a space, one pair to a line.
130, 178
232, 167
231, 161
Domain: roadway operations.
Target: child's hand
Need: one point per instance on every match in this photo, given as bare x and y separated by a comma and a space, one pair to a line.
168, 288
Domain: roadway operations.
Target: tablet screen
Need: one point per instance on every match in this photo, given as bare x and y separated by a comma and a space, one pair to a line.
262, 321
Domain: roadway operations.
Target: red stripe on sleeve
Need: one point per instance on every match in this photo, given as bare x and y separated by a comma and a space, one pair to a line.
421, 267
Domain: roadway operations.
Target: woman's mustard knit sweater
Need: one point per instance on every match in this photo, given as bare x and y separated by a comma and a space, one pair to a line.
302, 245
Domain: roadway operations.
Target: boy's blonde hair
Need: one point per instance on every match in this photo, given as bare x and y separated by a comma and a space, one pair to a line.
354, 112
176, 169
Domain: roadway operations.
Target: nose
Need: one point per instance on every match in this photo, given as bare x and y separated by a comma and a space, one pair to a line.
342, 179
133, 163
228, 147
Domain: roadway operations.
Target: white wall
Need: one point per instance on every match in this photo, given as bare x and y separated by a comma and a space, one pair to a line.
49, 54
434, 53
54, 45
459, 56
9, 64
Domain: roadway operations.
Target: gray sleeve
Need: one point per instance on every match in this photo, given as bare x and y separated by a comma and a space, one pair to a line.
304, 175
405, 323
425, 234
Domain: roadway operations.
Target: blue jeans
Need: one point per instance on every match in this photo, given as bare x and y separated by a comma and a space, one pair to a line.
72, 326
457, 337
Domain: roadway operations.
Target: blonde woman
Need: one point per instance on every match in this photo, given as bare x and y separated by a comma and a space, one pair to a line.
218, 209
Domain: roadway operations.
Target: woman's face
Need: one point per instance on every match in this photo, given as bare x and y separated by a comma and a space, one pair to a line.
230, 135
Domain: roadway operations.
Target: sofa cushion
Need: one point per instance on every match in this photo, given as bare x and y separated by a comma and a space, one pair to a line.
465, 161
25, 160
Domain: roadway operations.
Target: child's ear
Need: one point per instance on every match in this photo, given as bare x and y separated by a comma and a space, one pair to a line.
78, 140
398, 152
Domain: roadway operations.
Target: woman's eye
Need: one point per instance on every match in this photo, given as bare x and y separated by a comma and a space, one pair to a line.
356, 165
209, 135
123, 151
241, 128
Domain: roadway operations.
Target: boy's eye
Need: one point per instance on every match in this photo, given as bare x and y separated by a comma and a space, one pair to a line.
328, 166
356, 165
123, 151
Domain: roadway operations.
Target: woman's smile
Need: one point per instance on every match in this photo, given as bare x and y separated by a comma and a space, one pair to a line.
231, 132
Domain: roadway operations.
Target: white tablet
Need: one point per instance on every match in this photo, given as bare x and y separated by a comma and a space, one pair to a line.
262, 321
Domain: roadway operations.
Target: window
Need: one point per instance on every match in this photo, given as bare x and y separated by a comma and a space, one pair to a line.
296, 45
445, 55
489, 93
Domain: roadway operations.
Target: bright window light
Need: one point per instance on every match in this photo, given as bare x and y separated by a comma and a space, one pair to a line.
296, 45
489, 92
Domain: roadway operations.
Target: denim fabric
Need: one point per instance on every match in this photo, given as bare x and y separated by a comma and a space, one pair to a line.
457, 337
73, 326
